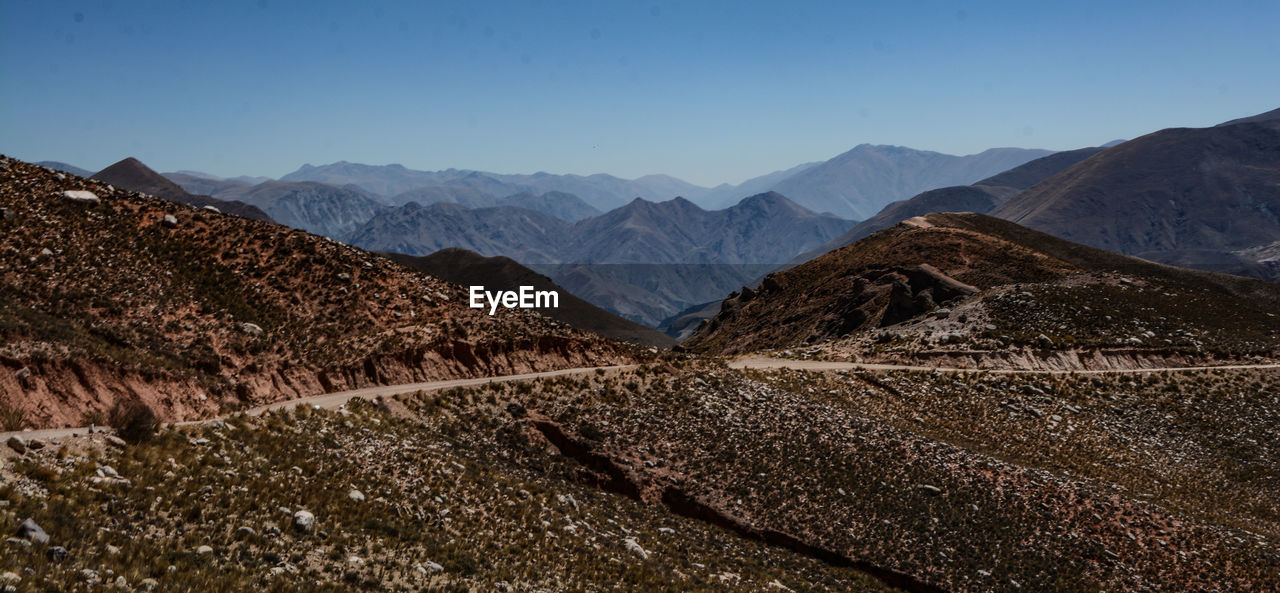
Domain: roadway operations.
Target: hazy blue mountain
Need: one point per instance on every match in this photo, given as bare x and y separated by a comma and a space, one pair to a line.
559, 204
315, 207
725, 195
414, 229
600, 191
858, 183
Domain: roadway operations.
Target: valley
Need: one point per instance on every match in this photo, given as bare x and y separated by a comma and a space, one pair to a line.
927, 401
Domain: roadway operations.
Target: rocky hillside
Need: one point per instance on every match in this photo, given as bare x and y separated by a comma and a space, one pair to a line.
110, 295
1188, 196
969, 283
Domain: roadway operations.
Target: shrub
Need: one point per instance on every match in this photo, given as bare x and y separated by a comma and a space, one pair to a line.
133, 420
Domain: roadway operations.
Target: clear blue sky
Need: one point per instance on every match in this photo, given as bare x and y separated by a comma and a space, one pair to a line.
706, 91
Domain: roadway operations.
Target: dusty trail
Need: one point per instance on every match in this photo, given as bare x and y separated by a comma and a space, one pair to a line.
333, 400
766, 363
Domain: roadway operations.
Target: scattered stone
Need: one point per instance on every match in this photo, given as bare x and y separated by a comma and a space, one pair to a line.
56, 554
170, 221
432, 566
148, 584
7, 214
503, 587
10, 578
204, 551
1044, 341
635, 549
252, 329
17, 444
30, 531
930, 489
116, 441
113, 550
89, 575
18, 542
35, 444
304, 521
356, 495
81, 196
24, 377
245, 532
213, 209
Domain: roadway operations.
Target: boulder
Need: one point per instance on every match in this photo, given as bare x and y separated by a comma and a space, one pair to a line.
213, 209
252, 329
304, 521
170, 221
633, 546
81, 196
356, 495
31, 531
16, 443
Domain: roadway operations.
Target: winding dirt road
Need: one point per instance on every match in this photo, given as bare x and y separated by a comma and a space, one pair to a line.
333, 400
766, 363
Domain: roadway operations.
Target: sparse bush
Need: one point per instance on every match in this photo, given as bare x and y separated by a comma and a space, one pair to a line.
134, 421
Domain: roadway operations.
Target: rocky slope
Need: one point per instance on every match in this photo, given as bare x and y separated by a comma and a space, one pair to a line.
126, 296
974, 284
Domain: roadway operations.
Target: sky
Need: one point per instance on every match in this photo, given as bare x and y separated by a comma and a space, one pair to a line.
707, 91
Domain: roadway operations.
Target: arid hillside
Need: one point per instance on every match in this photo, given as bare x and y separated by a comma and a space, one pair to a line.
116, 295
973, 284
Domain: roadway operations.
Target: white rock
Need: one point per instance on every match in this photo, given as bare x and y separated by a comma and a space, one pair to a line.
304, 521
170, 221
80, 195
356, 495
212, 209
635, 549
252, 329
204, 550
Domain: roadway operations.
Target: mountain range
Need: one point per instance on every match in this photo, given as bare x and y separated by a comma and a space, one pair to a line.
1200, 197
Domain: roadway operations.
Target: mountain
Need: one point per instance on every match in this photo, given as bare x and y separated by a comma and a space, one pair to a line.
1032, 172
860, 182
468, 268
725, 195
205, 313
1273, 115
315, 207
131, 174
981, 197
1176, 195
765, 228
558, 204
645, 261
65, 168
413, 229
974, 284
466, 196
600, 190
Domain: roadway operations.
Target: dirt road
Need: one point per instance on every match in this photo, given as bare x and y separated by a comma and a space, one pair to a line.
333, 400
765, 363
